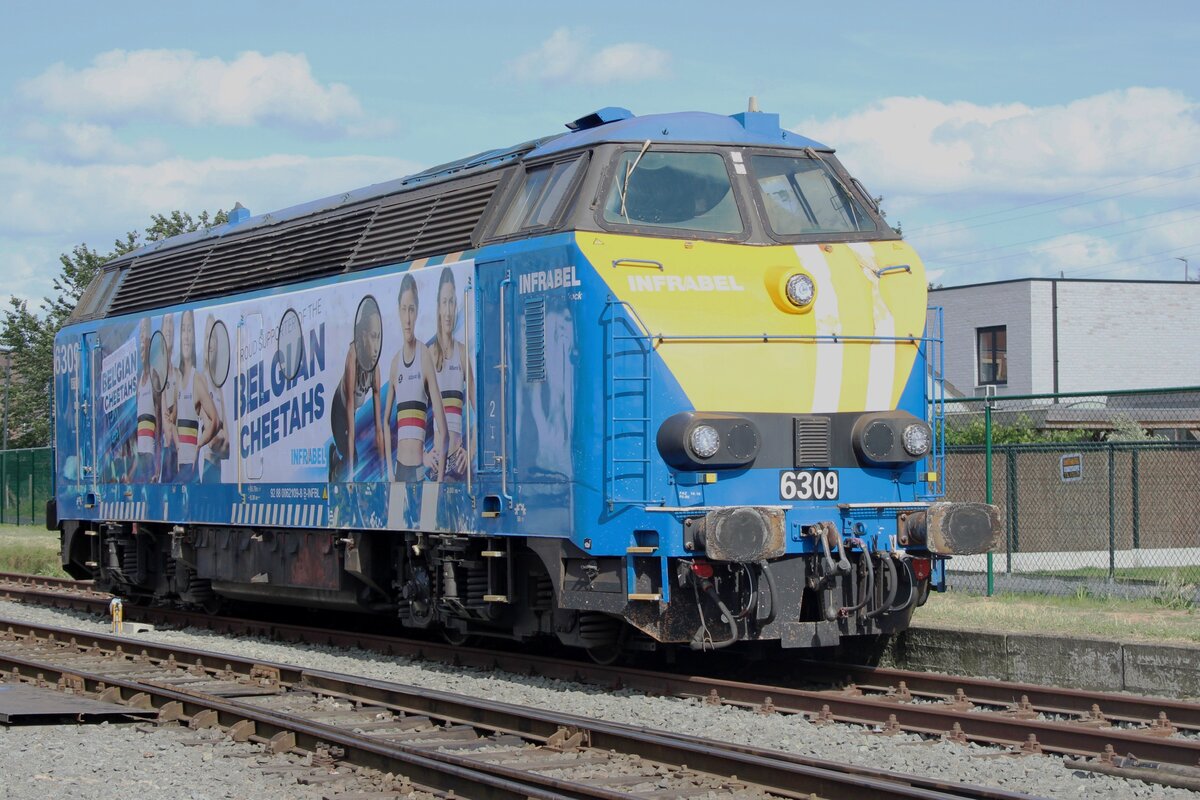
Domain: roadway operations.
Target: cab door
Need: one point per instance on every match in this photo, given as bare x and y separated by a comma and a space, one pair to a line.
494, 326
85, 407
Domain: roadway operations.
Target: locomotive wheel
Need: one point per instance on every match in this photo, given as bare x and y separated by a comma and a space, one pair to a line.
456, 637
603, 636
606, 654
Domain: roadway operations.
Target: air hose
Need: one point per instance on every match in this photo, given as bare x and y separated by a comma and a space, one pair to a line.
846, 611
885, 562
698, 643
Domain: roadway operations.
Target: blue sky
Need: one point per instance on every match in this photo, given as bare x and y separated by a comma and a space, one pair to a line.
1009, 140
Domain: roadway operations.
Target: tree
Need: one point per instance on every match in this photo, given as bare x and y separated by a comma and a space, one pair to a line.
29, 336
878, 201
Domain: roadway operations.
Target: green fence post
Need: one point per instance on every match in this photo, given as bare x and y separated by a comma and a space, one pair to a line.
987, 458
1010, 472
1014, 514
1135, 500
17, 493
4, 486
1112, 514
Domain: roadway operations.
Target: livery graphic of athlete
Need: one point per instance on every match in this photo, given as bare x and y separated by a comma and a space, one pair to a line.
414, 390
168, 459
214, 429
360, 379
454, 377
193, 400
148, 398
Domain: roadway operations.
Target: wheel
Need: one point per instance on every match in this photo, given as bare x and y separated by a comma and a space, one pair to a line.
605, 654
456, 637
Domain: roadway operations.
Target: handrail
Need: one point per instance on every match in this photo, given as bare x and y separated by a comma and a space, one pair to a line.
639, 262
468, 333
503, 367
832, 338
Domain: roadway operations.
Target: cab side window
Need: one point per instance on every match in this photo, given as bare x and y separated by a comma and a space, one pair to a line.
540, 198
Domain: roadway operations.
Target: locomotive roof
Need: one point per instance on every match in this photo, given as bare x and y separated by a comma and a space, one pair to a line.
610, 124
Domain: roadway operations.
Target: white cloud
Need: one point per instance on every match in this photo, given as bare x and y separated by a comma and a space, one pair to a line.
181, 87
88, 142
1012, 190
921, 146
565, 57
97, 203
115, 198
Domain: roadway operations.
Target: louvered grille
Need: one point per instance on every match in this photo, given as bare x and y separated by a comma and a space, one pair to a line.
431, 226
391, 231
151, 282
295, 254
813, 442
535, 339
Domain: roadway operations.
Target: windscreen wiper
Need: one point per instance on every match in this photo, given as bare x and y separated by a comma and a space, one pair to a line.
845, 189
629, 171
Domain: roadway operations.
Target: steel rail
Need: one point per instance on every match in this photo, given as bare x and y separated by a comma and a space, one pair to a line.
427, 770
1048, 699
924, 718
778, 773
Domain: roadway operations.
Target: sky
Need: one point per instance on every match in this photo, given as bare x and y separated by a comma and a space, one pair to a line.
1013, 140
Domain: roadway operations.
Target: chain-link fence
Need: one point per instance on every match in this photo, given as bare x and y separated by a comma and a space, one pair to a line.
27, 482
1097, 492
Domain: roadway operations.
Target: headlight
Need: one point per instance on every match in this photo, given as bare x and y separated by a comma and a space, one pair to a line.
801, 290
704, 441
917, 438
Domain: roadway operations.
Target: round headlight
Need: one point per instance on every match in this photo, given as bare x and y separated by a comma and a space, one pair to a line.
704, 441
800, 290
917, 438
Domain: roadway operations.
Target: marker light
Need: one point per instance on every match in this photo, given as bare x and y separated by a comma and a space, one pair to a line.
704, 441
917, 438
800, 290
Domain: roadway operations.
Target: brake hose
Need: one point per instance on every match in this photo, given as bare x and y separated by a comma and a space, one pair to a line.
848, 610
912, 584
885, 562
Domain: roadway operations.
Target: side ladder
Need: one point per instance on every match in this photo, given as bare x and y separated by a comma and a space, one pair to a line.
629, 409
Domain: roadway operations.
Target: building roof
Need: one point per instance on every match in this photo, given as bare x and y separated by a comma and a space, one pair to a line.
1058, 280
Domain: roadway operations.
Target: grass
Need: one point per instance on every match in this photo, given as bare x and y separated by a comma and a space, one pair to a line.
1186, 574
1148, 620
30, 549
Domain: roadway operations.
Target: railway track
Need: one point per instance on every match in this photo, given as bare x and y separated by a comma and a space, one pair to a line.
442, 741
1119, 734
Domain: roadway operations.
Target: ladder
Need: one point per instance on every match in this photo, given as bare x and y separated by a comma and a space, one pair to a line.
629, 409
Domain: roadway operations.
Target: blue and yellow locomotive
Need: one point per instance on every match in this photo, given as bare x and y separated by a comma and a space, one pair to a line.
655, 380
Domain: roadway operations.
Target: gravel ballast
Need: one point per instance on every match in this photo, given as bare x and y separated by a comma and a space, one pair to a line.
1037, 775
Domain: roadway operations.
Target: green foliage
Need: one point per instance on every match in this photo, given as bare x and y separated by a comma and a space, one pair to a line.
31, 560
1175, 592
1128, 430
1020, 431
29, 335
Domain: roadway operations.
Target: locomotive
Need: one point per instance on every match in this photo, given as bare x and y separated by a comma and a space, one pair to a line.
655, 381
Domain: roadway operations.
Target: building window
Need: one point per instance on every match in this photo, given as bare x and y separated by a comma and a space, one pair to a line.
992, 345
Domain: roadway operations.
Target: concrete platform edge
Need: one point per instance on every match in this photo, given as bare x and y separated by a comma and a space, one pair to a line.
1097, 664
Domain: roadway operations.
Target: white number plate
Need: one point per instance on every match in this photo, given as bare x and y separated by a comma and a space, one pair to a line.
808, 484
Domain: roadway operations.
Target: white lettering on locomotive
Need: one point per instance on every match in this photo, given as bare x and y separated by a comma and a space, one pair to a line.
685, 283
547, 279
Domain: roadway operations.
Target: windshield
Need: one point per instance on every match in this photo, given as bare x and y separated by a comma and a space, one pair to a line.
673, 190
803, 195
